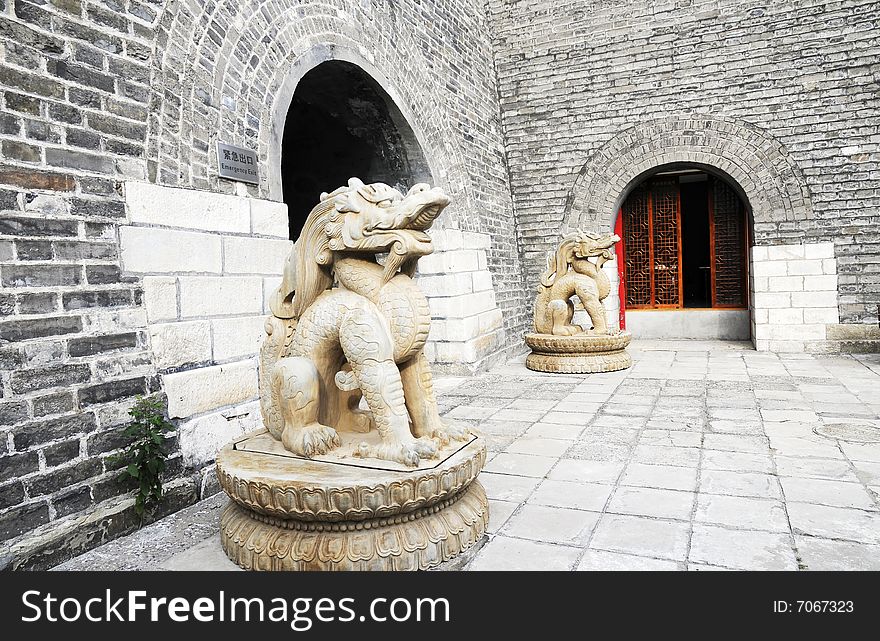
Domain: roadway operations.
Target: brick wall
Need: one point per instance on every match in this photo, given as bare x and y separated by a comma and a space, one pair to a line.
799, 76
97, 94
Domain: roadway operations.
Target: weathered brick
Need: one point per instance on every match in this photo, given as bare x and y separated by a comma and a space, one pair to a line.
34, 249
13, 412
41, 275
23, 34
77, 250
14, 466
22, 104
22, 330
60, 453
7, 304
111, 391
30, 380
97, 207
21, 151
66, 476
56, 403
100, 298
37, 433
78, 160
65, 113
72, 501
37, 303
90, 345
23, 519
11, 494
33, 179
107, 441
83, 138
14, 226
96, 37
10, 357
30, 83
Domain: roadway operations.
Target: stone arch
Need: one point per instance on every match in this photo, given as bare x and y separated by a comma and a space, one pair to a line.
746, 156
223, 70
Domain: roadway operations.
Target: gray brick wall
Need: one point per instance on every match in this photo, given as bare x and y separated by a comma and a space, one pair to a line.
573, 76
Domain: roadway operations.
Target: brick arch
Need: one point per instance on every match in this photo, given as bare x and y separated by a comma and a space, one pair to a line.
759, 165
227, 70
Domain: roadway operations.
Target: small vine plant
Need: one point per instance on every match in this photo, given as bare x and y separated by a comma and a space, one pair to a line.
145, 456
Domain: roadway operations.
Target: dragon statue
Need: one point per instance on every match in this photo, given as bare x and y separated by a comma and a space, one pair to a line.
345, 327
570, 271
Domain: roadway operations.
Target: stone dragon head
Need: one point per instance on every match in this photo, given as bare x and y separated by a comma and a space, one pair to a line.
357, 219
578, 245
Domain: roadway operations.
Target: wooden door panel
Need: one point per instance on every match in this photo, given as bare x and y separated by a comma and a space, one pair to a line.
666, 225
727, 229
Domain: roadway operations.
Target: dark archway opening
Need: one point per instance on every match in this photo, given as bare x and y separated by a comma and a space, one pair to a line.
685, 237
341, 123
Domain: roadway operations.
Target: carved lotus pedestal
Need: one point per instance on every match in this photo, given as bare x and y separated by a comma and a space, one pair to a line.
340, 512
578, 354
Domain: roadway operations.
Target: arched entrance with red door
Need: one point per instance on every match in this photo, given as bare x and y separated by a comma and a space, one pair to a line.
683, 258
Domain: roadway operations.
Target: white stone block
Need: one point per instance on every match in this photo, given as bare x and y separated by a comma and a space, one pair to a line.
814, 299
482, 281
220, 295
773, 299
176, 344
237, 337
455, 329
819, 250
763, 284
151, 204
160, 298
789, 316
450, 262
761, 315
201, 438
446, 284
765, 268
114, 321
475, 240
270, 284
462, 306
785, 252
482, 262
785, 284
826, 315
446, 240
826, 282
209, 388
759, 253
796, 332
762, 345
147, 250
490, 321
804, 267
829, 266
244, 255
783, 346
269, 218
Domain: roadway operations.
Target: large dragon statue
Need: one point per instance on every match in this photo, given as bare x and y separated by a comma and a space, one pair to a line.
344, 326
570, 271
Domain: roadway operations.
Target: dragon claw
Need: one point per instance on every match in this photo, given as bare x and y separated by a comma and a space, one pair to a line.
311, 440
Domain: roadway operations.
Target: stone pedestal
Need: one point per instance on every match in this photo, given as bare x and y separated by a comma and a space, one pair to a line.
340, 512
578, 354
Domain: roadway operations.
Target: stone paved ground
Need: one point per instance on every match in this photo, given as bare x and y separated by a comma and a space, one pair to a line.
701, 456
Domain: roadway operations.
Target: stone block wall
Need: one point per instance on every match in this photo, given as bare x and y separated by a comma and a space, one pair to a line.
794, 296
208, 263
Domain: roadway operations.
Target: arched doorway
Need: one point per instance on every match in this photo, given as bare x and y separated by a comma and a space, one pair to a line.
341, 123
683, 261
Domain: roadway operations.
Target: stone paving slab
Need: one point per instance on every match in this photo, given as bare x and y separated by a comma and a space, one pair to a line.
702, 456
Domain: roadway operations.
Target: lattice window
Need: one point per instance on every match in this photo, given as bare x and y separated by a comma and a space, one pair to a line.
637, 226
666, 219
652, 242
727, 228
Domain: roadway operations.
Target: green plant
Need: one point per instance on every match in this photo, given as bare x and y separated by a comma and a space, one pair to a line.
145, 456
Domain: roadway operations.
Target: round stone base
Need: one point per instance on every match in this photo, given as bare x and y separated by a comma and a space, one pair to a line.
424, 539
342, 512
578, 354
